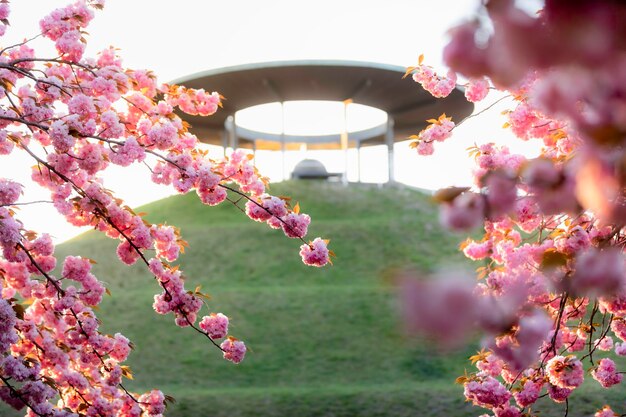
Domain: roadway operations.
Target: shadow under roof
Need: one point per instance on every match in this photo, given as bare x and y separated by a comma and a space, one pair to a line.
372, 84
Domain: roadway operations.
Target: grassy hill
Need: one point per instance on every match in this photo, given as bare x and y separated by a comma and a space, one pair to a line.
323, 342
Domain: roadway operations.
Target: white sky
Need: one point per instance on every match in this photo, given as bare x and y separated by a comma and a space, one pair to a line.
179, 38
329, 117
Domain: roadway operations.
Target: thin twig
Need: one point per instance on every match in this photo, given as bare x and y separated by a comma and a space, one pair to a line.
20, 44
482, 111
28, 203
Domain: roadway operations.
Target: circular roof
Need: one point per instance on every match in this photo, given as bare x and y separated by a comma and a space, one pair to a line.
371, 84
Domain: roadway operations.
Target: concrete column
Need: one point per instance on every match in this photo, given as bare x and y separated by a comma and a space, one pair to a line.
225, 137
229, 125
344, 141
283, 145
234, 137
282, 157
389, 136
344, 150
358, 161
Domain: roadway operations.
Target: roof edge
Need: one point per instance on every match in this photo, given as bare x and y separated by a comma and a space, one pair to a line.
289, 63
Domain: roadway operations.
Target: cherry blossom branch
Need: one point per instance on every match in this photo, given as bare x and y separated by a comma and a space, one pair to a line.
56, 61
605, 331
68, 165
247, 197
482, 111
61, 292
116, 142
591, 329
50, 279
28, 74
28, 203
43, 127
161, 284
558, 322
101, 214
19, 396
20, 44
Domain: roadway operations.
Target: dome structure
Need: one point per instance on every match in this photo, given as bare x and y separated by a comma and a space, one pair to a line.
311, 169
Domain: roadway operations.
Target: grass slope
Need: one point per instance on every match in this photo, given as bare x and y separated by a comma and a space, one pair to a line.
324, 342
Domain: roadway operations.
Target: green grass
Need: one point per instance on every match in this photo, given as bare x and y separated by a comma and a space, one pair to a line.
323, 342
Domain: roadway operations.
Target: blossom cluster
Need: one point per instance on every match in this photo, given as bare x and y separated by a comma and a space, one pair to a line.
75, 116
437, 85
551, 291
438, 130
476, 89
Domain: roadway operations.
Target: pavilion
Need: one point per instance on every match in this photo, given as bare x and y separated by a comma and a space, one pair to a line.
381, 86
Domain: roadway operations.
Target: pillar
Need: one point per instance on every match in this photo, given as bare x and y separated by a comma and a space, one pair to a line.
344, 141
282, 156
231, 130
283, 145
234, 139
389, 141
358, 161
225, 137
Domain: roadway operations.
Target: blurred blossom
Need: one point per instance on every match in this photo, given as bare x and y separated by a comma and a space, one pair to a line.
599, 272
442, 307
521, 349
465, 212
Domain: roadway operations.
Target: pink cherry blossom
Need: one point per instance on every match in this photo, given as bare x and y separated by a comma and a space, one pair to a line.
606, 373
565, 372
425, 148
234, 350
295, 225
605, 412
529, 393
558, 394
216, 325
487, 393
315, 253
10, 191
477, 90
605, 344
620, 349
